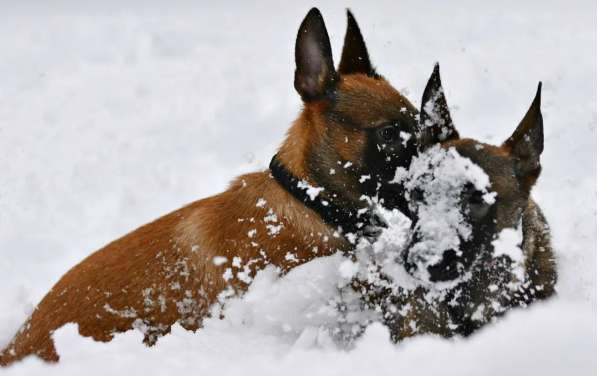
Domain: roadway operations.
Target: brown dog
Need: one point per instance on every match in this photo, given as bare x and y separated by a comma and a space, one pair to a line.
353, 132
480, 244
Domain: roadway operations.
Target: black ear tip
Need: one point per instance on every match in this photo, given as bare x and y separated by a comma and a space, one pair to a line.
314, 16
435, 75
351, 22
312, 23
349, 15
436, 69
433, 84
313, 12
537, 100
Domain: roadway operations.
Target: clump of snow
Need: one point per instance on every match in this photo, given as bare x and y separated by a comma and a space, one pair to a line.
303, 300
219, 260
405, 136
386, 251
508, 243
311, 191
364, 178
438, 177
434, 112
272, 225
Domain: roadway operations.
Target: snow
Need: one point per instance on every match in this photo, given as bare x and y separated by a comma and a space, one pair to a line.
441, 176
112, 115
431, 107
261, 203
508, 243
310, 190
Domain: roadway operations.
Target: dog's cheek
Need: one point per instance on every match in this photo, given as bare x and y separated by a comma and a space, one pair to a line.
348, 144
483, 234
379, 172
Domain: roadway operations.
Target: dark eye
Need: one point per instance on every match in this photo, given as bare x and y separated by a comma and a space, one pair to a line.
388, 133
478, 207
476, 198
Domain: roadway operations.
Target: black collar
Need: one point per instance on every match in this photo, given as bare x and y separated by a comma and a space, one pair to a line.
348, 220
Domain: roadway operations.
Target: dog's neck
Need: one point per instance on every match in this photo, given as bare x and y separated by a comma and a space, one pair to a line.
300, 169
347, 219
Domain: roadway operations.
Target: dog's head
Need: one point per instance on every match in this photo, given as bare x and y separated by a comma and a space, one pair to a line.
355, 128
465, 197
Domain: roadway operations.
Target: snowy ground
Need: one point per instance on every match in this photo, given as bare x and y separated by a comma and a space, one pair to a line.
111, 115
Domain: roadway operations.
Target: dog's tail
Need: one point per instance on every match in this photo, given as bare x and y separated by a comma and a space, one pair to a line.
29, 342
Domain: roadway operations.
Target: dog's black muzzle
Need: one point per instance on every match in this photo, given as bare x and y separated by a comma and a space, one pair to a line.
451, 266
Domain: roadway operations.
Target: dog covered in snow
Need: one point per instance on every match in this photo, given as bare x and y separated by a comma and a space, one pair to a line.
478, 243
354, 131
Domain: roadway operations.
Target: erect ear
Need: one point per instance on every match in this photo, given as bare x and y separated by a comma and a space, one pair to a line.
435, 121
355, 58
526, 143
314, 74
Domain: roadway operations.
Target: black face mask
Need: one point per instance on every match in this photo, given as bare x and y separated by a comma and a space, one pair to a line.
388, 148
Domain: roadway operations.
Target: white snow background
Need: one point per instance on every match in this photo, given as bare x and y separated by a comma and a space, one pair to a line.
114, 114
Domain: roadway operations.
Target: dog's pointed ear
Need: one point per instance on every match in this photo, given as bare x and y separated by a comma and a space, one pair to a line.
435, 122
315, 74
355, 58
526, 143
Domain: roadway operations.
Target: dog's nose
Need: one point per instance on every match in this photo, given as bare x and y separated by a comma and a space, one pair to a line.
446, 269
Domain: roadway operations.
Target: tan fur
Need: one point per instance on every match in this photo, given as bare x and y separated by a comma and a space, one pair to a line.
383, 102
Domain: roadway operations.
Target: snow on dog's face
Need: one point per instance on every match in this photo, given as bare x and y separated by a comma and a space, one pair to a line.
450, 202
465, 196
